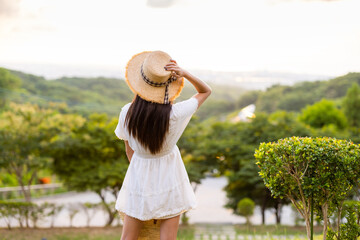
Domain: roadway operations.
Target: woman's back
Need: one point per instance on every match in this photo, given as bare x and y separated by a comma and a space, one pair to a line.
180, 116
156, 185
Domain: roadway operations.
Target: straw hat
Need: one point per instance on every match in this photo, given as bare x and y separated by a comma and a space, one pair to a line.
146, 77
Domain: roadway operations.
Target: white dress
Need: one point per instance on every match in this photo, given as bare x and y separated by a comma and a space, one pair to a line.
157, 186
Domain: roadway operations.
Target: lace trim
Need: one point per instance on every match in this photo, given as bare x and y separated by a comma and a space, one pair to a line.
148, 217
177, 186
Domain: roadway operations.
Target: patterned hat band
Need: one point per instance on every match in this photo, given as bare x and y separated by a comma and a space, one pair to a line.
155, 84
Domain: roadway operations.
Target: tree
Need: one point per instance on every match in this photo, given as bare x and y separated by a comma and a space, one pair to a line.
91, 158
322, 170
323, 113
8, 82
25, 132
245, 208
236, 143
351, 105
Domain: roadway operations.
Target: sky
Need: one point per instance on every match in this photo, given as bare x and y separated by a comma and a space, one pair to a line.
297, 36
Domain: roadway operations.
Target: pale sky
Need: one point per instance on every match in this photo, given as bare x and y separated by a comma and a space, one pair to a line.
299, 36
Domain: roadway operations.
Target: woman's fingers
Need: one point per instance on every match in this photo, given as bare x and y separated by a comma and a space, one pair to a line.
172, 68
170, 65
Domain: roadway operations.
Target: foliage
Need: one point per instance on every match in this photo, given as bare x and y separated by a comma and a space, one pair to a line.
322, 114
25, 131
300, 168
196, 165
8, 81
294, 98
245, 208
91, 158
229, 147
20, 211
353, 206
31, 213
350, 229
352, 105
7, 179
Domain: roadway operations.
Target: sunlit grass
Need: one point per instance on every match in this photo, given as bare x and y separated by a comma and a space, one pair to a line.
211, 232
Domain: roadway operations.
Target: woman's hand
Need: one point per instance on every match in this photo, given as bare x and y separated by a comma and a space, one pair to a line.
176, 71
202, 88
129, 151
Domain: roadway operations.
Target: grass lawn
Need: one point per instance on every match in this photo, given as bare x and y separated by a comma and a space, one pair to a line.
190, 232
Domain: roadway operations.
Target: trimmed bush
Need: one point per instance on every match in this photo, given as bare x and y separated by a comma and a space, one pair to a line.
325, 169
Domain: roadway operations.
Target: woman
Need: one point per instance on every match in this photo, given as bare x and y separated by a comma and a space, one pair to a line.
156, 184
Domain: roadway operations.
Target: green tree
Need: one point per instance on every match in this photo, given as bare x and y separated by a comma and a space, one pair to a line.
351, 105
235, 143
92, 158
25, 132
323, 113
245, 208
301, 169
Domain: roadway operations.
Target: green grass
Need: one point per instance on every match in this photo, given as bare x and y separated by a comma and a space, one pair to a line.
213, 232
274, 230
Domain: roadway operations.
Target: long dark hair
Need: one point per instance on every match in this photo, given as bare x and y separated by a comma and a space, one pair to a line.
148, 122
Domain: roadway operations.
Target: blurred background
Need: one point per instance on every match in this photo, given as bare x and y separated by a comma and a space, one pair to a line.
278, 68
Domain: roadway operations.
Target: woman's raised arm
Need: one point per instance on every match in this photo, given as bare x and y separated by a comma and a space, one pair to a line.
201, 87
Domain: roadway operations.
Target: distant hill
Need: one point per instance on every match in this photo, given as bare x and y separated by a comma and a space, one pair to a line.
87, 95
249, 80
100, 94
294, 98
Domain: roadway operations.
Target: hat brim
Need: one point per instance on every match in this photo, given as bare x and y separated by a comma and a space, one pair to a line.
145, 91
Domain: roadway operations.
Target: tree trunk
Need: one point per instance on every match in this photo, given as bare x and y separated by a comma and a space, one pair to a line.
195, 187
111, 214
278, 208
325, 217
263, 208
26, 192
278, 216
248, 220
303, 209
308, 227
339, 219
111, 218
